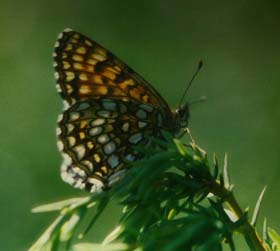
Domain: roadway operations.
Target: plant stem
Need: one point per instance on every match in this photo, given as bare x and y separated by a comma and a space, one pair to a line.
250, 234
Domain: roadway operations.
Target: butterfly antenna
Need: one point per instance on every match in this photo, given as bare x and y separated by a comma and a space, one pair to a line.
199, 100
200, 64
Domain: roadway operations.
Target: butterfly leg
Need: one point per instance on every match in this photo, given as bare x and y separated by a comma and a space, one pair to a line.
186, 131
193, 143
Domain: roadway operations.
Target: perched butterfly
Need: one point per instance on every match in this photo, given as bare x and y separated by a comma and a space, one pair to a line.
108, 110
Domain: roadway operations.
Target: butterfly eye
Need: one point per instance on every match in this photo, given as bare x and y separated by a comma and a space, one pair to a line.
183, 115
181, 112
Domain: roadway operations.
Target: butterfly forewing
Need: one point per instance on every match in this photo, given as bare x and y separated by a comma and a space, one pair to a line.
109, 110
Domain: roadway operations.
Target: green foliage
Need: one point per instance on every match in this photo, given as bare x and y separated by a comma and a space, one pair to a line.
166, 206
272, 238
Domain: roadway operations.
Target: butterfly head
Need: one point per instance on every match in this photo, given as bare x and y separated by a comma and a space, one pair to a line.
182, 115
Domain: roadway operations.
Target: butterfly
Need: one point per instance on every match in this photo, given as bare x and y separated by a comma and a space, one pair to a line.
108, 110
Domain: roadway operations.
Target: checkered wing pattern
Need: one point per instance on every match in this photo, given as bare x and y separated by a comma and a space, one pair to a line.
84, 69
108, 110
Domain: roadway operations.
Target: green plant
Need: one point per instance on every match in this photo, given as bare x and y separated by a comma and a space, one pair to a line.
172, 200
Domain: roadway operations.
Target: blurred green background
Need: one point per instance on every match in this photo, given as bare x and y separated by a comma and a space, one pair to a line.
239, 42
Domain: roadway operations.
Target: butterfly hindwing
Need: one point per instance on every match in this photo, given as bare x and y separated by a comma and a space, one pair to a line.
98, 137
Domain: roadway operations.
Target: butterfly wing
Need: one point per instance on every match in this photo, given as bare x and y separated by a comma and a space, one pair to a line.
84, 69
109, 109
98, 137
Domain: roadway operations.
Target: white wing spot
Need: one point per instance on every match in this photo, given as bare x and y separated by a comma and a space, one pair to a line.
97, 185
56, 75
60, 35
71, 141
79, 184
88, 164
58, 88
59, 118
79, 172
67, 161
58, 131
142, 124
130, 157
104, 114
95, 131
125, 126
67, 30
113, 160
135, 138
74, 116
70, 128
63, 168
60, 145
98, 122
67, 177
65, 105
102, 139
109, 147
80, 151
